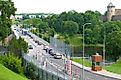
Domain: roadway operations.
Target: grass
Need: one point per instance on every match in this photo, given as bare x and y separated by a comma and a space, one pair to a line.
79, 60
6, 74
115, 68
75, 40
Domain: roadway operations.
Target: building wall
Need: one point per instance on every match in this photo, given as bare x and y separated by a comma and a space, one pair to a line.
110, 13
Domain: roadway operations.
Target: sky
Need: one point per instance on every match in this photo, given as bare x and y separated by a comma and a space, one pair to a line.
59, 6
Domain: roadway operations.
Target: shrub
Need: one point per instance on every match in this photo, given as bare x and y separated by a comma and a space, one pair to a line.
12, 62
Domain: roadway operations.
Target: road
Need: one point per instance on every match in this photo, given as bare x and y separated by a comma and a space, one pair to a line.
39, 55
57, 65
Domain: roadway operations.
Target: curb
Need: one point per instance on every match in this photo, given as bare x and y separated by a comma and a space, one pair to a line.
94, 72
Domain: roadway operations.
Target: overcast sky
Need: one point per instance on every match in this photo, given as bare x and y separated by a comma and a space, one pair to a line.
58, 6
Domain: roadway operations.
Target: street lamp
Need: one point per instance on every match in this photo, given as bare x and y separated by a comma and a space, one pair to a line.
83, 50
0, 13
104, 40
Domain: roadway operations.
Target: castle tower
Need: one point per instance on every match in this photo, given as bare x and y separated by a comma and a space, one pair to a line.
110, 11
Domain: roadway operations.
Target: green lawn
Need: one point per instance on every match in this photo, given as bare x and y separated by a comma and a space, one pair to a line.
6, 74
79, 60
115, 68
75, 40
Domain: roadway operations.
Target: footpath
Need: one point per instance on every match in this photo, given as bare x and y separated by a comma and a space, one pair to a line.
102, 73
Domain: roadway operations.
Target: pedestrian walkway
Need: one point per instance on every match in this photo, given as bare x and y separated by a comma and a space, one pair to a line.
102, 73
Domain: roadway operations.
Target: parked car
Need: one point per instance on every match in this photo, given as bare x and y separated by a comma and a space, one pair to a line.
57, 56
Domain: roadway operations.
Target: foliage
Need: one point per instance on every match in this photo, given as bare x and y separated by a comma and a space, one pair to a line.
16, 46
71, 23
113, 44
70, 27
31, 71
43, 27
31, 22
75, 40
12, 62
6, 74
112, 31
25, 16
7, 9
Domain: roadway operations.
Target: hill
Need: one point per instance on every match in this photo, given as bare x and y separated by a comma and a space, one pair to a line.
6, 74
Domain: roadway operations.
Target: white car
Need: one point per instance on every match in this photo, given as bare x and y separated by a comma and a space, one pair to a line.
57, 56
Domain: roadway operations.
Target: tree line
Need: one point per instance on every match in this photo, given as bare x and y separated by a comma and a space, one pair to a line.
71, 23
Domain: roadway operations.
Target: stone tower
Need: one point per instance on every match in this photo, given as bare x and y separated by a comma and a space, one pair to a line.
110, 11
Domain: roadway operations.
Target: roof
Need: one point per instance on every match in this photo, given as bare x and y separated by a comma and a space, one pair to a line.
110, 5
117, 11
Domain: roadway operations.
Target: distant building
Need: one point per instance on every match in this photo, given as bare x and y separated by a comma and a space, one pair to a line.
112, 14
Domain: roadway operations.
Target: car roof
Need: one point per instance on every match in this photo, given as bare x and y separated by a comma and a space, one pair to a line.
58, 54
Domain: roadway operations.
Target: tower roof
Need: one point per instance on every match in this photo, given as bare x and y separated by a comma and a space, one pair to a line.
110, 5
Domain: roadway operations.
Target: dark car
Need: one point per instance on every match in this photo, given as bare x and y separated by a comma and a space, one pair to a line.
30, 47
39, 43
51, 52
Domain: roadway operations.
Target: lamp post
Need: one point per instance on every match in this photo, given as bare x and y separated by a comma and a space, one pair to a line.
104, 40
83, 50
0, 13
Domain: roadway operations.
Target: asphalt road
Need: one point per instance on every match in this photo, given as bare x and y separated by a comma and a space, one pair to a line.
44, 59
57, 65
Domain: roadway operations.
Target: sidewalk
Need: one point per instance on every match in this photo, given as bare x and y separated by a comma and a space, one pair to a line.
102, 73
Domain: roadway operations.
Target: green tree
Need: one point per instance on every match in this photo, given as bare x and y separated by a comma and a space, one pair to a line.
42, 27
12, 62
70, 27
15, 46
31, 71
25, 16
6, 9
113, 44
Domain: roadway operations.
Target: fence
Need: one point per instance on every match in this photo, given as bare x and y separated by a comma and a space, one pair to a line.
44, 73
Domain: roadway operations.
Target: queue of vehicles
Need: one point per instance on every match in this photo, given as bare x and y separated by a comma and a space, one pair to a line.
48, 50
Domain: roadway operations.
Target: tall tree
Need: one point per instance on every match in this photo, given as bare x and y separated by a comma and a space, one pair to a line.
70, 27
6, 9
113, 44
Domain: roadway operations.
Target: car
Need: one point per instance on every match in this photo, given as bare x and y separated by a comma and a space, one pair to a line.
51, 52
39, 43
35, 40
30, 47
57, 56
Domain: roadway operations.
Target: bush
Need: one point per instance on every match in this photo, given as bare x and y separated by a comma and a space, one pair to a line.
12, 62
15, 46
31, 71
